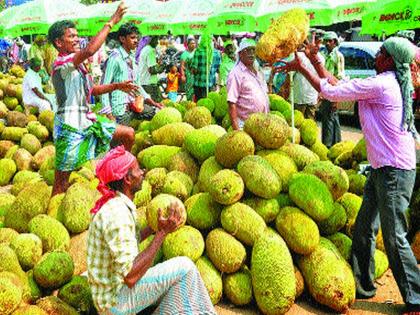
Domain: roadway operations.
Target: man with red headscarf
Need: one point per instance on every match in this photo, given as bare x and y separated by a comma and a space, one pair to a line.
123, 280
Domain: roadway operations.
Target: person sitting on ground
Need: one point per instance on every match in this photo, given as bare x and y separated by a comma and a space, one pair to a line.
79, 134
246, 87
172, 87
386, 117
32, 94
121, 66
124, 281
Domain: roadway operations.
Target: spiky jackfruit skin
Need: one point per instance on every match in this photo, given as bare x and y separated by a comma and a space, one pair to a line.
23, 159
301, 155
311, 195
259, 177
53, 305
209, 168
74, 210
221, 104
164, 117
351, 204
77, 293
309, 132
5, 145
143, 196
178, 184
46, 118
215, 129
207, 103
226, 252
53, 234
357, 184
343, 244
232, 147
30, 202
156, 178
335, 222
278, 103
11, 152
7, 235
381, 263
7, 170
29, 310
243, 222
54, 270
157, 156
38, 130
163, 201
172, 134
298, 116
320, 149
202, 211
344, 160
26, 176
268, 209
284, 166
198, 117
200, 144
28, 249
300, 282
186, 241
328, 277
333, 176
30, 143
184, 162
298, 230
16, 119
13, 133
211, 278
43, 155
238, 287
267, 130
284, 200
10, 296
273, 276
35, 291
339, 148
359, 151
226, 187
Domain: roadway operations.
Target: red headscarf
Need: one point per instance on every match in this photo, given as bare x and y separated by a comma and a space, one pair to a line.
114, 166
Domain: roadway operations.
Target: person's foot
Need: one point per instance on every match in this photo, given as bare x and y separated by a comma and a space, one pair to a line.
411, 309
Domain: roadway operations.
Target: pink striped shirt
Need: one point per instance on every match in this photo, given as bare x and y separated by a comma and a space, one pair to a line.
381, 114
247, 90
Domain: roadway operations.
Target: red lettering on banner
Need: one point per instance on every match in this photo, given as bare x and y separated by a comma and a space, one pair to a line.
241, 4
352, 11
233, 22
197, 26
397, 16
311, 15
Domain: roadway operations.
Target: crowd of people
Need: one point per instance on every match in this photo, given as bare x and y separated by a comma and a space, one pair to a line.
125, 75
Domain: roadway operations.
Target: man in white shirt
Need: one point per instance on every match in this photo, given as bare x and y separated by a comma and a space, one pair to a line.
32, 87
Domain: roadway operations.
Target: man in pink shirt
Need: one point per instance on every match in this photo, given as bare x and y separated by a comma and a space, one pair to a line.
386, 117
246, 87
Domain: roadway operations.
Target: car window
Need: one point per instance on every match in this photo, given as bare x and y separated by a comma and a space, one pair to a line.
356, 59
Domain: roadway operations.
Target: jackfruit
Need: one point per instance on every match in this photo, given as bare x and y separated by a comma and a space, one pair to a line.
207, 102
163, 202
200, 144
7, 170
300, 282
52, 233
184, 162
42, 155
156, 177
415, 245
143, 196
53, 270
16, 119
357, 184
13, 133
7, 235
38, 130
198, 117
77, 293
381, 263
298, 117
26, 176
267, 130
343, 244
335, 221
29, 310
33, 286
320, 149
47, 170
309, 132
165, 116
202, 211
178, 184
268, 209
284, 166
46, 117
339, 148
301, 155
5, 145
278, 103
157, 156
28, 249
232, 147
209, 168
172, 134
226, 187
217, 130
23, 159
10, 296
238, 287
186, 241
211, 278
351, 204
359, 151
53, 305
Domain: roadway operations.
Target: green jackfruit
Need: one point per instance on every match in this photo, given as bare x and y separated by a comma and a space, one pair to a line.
52, 233
232, 147
28, 249
333, 176
298, 230
30, 202
164, 117
226, 187
335, 221
294, 133
143, 196
77, 293
74, 210
33, 286
211, 278
238, 287
11, 102
163, 201
301, 155
328, 277
186, 241
13, 133
46, 117
202, 211
9, 154
184, 162
217, 130
357, 184
53, 305
220, 105
38, 130
172, 134
47, 170
278, 103
284, 166
16, 119
10, 296
344, 160
23, 159
200, 144
209, 168
157, 156
259, 177
207, 102
26, 176
381, 263
320, 149
6, 201
53, 270
5, 145
243, 222
43, 155
268, 209
267, 130
198, 117
339, 148
30, 143
29, 310
298, 117
178, 184
359, 151
156, 177
309, 132
311, 195
351, 204
7, 170
7, 235
273, 276
300, 282
225, 252
343, 244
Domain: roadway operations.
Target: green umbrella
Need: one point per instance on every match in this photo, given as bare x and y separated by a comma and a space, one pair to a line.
159, 22
389, 16
192, 17
36, 17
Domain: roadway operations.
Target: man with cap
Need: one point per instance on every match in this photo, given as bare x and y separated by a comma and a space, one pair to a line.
32, 87
334, 63
387, 123
247, 90
124, 281
228, 62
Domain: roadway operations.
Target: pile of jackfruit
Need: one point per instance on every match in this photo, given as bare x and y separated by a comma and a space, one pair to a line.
266, 217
